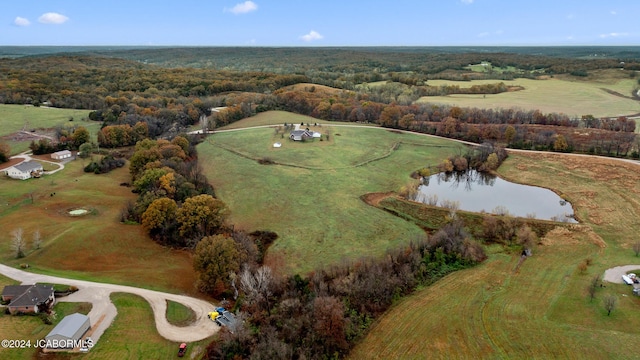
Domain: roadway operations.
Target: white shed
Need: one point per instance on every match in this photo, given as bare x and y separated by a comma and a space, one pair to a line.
68, 333
59, 155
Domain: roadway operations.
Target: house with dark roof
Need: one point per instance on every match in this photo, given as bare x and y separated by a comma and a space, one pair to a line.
69, 331
300, 135
28, 298
25, 170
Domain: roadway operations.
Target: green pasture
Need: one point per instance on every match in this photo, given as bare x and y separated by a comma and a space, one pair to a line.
311, 199
540, 309
572, 97
274, 118
15, 118
178, 314
487, 67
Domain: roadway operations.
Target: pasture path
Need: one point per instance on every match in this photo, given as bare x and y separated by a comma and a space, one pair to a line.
103, 312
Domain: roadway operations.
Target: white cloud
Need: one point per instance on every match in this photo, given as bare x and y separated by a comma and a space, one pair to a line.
20, 21
312, 35
466, 1
52, 18
613, 12
613, 35
243, 8
487, 33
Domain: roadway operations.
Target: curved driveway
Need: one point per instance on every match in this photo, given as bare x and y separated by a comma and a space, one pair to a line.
103, 311
614, 275
26, 157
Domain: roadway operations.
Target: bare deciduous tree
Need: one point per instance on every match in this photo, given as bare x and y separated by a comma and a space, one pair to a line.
18, 243
636, 248
37, 240
610, 302
257, 286
526, 237
593, 286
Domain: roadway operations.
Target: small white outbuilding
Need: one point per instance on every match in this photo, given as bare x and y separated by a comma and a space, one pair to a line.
69, 332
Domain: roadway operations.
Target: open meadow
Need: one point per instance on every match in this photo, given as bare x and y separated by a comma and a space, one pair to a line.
552, 95
16, 118
311, 198
542, 309
95, 246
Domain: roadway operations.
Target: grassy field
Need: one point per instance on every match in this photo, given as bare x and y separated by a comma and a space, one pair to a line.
95, 246
178, 314
313, 201
14, 118
486, 67
274, 118
542, 309
560, 95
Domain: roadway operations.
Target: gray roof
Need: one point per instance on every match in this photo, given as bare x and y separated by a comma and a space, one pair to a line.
300, 132
62, 152
15, 290
28, 295
28, 166
69, 325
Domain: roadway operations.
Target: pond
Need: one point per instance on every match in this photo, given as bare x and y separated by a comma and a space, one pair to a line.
78, 212
480, 192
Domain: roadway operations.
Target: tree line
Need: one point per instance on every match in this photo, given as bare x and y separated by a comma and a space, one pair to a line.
323, 314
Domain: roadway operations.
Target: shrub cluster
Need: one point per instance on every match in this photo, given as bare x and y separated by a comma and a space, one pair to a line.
105, 165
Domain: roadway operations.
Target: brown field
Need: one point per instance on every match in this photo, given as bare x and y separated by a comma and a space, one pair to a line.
95, 246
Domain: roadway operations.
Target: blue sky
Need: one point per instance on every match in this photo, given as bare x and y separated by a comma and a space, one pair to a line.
320, 23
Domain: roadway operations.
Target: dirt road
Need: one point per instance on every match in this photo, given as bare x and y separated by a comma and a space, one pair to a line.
103, 311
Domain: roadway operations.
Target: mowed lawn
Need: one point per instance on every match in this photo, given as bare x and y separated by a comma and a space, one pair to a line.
95, 246
572, 97
313, 202
15, 118
542, 310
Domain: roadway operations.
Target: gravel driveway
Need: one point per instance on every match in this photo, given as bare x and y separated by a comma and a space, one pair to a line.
614, 275
103, 311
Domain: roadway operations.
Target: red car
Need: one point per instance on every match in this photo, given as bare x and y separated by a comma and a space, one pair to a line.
182, 350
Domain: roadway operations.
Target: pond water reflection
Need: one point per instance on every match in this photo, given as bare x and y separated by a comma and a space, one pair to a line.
480, 192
